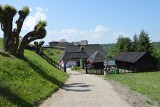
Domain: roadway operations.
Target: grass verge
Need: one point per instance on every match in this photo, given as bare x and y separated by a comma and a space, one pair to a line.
27, 82
145, 83
1, 43
53, 53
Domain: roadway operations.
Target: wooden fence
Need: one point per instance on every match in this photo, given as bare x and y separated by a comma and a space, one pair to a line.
95, 71
112, 70
51, 61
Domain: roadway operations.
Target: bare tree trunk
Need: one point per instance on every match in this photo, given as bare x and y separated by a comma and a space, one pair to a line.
29, 37
24, 43
16, 32
8, 32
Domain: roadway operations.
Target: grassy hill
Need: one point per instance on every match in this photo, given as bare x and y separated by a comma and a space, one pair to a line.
27, 82
109, 49
53, 53
1, 43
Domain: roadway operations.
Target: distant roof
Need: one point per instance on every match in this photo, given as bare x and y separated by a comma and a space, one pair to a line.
131, 57
63, 40
72, 48
46, 45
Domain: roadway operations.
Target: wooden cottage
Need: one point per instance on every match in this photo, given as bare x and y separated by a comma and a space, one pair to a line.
93, 52
97, 60
135, 61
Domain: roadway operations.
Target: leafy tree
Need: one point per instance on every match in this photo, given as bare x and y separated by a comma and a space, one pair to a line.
135, 43
144, 44
39, 32
124, 44
11, 37
156, 54
38, 46
7, 14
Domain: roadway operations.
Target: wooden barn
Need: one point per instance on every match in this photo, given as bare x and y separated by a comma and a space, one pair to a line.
135, 61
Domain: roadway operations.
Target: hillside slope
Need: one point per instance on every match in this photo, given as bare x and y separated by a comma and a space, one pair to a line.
1, 43
28, 81
53, 53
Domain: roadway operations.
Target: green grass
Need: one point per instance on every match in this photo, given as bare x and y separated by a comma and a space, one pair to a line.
28, 81
1, 43
53, 53
75, 68
145, 83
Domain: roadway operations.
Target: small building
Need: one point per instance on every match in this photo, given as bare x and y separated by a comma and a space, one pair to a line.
84, 42
95, 53
135, 61
63, 40
97, 60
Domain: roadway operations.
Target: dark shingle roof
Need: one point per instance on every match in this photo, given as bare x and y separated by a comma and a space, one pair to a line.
72, 48
131, 57
97, 57
88, 49
92, 48
75, 55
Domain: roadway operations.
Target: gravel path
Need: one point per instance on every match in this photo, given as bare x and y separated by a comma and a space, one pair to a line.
83, 90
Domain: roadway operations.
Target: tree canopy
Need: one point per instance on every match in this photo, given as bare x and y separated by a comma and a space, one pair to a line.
140, 43
123, 44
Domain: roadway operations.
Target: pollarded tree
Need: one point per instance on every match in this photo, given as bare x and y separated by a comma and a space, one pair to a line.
7, 14
39, 32
11, 37
38, 46
16, 32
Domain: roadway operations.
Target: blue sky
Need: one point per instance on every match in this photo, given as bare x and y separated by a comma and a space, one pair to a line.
98, 21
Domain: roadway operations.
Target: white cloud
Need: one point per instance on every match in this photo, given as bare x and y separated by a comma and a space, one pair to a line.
99, 31
71, 34
31, 21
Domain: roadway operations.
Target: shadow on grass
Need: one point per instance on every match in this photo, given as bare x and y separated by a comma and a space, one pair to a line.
4, 54
77, 87
44, 74
13, 98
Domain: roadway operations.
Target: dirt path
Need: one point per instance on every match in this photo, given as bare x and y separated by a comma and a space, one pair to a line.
83, 90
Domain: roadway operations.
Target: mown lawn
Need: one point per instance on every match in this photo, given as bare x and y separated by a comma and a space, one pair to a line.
53, 53
24, 82
145, 83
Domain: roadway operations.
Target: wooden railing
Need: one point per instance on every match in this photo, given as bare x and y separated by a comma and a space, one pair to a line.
51, 61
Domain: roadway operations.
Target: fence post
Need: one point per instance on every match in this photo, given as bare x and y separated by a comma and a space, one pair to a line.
86, 67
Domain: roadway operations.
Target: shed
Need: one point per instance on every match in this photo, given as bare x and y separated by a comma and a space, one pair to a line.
135, 61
